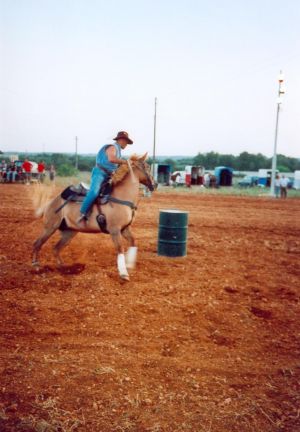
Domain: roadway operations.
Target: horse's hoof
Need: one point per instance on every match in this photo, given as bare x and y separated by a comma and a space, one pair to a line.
124, 278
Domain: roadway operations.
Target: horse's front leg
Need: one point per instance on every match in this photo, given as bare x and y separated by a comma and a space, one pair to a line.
131, 254
117, 239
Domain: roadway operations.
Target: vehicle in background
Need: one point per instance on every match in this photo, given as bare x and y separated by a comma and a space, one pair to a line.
248, 181
34, 170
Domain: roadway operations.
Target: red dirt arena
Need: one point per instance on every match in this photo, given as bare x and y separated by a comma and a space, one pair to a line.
209, 342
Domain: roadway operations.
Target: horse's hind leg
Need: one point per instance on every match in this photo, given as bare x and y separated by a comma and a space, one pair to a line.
131, 254
48, 232
66, 237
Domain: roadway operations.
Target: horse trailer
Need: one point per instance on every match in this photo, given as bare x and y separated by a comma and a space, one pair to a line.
194, 175
297, 180
264, 177
223, 176
162, 173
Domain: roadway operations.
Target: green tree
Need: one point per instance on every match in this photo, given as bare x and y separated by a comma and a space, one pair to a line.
199, 160
170, 162
282, 168
292, 164
66, 170
209, 160
227, 160
243, 161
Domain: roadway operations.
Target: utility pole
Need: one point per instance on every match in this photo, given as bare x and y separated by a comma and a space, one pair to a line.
281, 92
76, 152
154, 137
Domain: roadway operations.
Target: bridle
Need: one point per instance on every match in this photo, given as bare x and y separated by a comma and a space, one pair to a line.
141, 166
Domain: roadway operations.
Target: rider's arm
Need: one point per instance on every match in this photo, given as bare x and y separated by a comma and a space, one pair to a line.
112, 156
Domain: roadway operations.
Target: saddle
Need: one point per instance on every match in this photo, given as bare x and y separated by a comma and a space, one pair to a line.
78, 193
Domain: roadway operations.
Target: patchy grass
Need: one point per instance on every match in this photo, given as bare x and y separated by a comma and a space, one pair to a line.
232, 190
49, 417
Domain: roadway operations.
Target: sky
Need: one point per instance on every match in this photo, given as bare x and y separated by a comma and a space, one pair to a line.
90, 68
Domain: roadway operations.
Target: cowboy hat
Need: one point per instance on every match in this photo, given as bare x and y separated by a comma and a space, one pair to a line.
123, 135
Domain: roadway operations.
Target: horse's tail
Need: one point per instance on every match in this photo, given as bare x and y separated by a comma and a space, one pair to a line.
41, 196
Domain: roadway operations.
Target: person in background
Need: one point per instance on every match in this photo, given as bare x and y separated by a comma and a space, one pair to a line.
27, 167
277, 186
20, 173
284, 181
52, 173
41, 170
3, 169
206, 180
11, 173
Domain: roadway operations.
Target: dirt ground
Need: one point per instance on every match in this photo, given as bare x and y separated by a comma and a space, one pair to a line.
209, 342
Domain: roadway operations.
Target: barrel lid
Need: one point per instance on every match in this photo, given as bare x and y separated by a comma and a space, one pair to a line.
172, 211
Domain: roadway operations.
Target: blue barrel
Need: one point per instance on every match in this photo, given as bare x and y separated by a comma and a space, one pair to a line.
172, 233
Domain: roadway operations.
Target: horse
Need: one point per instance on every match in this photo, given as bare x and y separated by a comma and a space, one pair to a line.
119, 213
174, 176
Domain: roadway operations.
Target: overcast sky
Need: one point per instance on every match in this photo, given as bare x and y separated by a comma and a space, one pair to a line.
91, 68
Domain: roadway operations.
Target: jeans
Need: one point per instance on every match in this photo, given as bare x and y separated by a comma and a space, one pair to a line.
11, 176
277, 191
283, 192
97, 179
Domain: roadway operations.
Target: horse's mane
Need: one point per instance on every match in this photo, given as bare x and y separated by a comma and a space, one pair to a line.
122, 171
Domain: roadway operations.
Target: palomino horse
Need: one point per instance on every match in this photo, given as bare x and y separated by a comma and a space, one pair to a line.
119, 214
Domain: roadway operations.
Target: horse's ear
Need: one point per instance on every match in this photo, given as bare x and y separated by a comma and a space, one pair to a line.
143, 158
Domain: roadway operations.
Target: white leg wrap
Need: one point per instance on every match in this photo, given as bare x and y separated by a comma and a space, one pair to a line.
121, 265
131, 257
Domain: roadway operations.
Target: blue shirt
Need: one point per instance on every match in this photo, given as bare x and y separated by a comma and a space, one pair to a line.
102, 159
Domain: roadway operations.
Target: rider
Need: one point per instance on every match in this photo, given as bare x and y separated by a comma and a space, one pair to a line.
107, 161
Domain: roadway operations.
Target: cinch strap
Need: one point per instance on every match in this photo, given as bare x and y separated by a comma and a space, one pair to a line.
123, 202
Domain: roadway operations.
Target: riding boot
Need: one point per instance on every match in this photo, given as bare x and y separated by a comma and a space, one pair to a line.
82, 220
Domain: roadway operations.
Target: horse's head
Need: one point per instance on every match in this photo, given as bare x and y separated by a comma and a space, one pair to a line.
143, 172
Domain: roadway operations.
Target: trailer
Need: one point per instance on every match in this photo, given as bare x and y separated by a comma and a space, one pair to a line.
223, 176
296, 180
194, 175
264, 177
162, 173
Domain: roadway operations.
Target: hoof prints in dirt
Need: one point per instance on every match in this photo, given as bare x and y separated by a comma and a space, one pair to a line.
65, 270
261, 313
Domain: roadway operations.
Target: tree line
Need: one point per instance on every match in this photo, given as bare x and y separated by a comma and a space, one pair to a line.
243, 162
65, 163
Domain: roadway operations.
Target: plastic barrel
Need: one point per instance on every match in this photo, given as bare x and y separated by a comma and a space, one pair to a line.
172, 233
